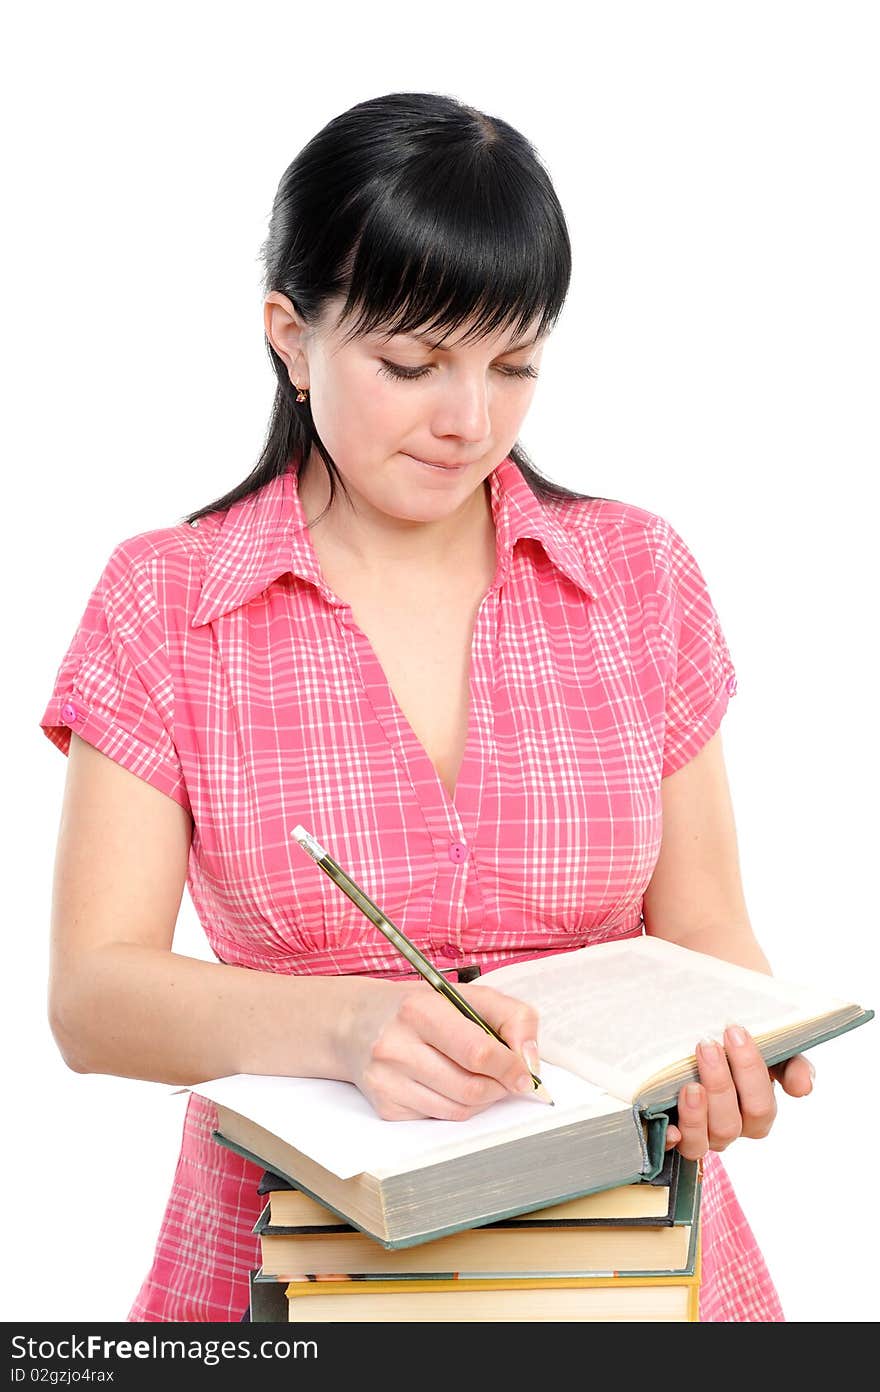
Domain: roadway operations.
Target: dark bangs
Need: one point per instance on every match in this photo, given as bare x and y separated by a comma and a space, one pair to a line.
467, 230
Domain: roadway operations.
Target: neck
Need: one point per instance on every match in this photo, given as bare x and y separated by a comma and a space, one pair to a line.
375, 541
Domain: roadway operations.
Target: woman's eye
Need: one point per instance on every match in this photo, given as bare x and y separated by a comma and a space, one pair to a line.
527, 371
403, 374
412, 374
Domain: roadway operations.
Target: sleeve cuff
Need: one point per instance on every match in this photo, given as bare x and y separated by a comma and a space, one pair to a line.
682, 748
62, 716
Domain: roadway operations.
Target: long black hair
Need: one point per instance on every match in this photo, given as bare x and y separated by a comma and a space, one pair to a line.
423, 212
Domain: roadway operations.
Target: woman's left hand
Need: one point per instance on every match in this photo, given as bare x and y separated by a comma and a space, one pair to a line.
735, 1095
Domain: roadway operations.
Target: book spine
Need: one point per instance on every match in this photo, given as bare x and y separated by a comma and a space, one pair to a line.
652, 1128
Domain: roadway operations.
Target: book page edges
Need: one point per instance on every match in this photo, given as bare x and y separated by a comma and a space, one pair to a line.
647, 1202
661, 1092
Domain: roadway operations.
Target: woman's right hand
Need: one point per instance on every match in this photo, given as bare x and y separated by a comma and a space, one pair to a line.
412, 1054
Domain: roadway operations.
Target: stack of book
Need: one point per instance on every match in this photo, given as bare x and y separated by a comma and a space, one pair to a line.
501, 1214
629, 1253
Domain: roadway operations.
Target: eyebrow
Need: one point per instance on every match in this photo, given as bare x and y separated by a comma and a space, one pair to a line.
438, 347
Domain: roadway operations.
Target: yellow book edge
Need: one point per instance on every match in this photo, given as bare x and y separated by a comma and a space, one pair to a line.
692, 1281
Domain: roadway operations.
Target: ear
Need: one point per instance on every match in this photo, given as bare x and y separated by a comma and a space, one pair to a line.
285, 331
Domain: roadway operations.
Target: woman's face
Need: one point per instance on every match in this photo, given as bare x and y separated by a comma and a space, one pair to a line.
388, 434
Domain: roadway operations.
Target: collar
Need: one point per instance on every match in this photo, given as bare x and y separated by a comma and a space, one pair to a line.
265, 536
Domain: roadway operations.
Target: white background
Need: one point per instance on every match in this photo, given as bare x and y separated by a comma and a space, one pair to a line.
717, 362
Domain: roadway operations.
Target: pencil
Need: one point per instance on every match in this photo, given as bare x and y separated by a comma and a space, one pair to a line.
425, 968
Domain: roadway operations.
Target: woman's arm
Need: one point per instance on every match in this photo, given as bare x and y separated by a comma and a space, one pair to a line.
696, 898
122, 1002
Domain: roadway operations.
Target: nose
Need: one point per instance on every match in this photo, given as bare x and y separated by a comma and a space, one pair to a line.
463, 409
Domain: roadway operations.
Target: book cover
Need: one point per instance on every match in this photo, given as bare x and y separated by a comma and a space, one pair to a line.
268, 1302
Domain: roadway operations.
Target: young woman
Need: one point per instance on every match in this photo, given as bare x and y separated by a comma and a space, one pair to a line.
497, 700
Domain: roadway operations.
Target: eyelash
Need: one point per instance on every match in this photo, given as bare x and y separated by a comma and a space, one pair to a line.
412, 374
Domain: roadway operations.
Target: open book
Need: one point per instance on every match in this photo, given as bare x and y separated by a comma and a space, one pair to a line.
619, 1025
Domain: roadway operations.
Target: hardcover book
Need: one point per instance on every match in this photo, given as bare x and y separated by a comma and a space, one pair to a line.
548, 1241
619, 1026
646, 1202
631, 1299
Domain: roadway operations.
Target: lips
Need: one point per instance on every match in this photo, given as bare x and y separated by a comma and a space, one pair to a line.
440, 463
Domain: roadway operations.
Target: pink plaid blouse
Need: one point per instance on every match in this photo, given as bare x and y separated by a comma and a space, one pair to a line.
214, 661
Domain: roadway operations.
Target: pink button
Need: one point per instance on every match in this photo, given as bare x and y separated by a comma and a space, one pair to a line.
731, 686
70, 713
458, 852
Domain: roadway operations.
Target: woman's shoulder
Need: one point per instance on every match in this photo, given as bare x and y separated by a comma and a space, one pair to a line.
613, 531
161, 568
178, 547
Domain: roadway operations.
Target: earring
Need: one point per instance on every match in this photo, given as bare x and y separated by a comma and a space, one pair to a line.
301, 393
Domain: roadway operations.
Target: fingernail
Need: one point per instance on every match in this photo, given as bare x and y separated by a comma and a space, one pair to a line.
525, 1084
736, 1034
693, 1092
530, 1054
709, 1050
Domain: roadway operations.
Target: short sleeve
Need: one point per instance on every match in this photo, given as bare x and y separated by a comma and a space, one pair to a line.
114, 685
701, 676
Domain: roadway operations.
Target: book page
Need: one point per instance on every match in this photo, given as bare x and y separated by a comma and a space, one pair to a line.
619, 1012
334, 1124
